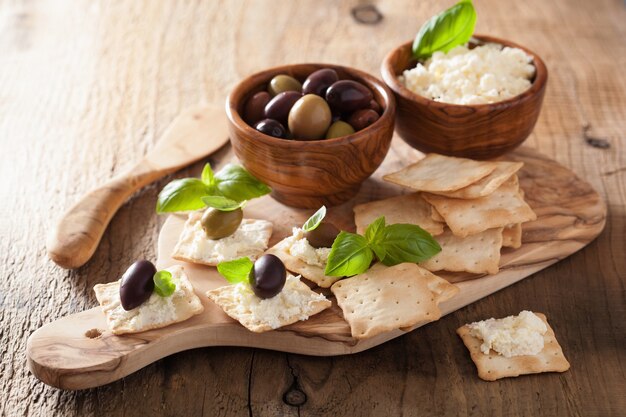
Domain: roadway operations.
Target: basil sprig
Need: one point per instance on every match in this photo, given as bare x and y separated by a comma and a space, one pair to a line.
446, 30
236, 271
225, 190
163, 284
314, 220
352, 254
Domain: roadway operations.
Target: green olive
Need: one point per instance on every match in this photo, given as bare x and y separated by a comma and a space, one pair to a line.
309, 118
218, 224
339, 129
282, 83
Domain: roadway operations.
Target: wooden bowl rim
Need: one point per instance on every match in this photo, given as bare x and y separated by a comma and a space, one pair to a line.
388, 113
538, 84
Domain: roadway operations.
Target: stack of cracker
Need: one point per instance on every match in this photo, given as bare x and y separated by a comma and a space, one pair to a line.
472, 208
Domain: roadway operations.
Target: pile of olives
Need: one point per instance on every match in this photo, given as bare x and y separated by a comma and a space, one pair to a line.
322, 107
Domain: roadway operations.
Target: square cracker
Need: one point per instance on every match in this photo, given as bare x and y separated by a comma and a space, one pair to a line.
478, 254
408, 208
313, 273
434, 214
499, 209
441, 173
495, 366
388, 298
512, 236
154, 313
486, 185
258, 234
231, 298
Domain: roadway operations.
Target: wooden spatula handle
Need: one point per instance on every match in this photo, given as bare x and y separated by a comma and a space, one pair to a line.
79, 231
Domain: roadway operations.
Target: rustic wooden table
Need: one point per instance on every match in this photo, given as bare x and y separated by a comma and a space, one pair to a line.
87, 87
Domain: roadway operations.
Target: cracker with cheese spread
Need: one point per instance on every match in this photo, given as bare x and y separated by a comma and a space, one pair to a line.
250, 239
154, 313
301, 258
295, 302
439, 173
478, 253
389, 298
499, 209
408, 208
493, 366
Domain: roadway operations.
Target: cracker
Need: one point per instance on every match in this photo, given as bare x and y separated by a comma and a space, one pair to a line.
154, 313
499, 209
441, 173
313, 273
434, 214
512, 236
495, 366
388, 298
195, 247
478, 254
408, 208
486, 185
295, 302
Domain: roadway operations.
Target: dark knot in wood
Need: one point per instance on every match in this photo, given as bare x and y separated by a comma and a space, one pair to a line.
366, 14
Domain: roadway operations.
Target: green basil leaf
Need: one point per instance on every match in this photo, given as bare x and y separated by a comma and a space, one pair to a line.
374, 231
236, 271
379, 250
234, 182
182, 195
448, 29
350, 255
407, 243
207, 175
222, 203
163, 284
314, 220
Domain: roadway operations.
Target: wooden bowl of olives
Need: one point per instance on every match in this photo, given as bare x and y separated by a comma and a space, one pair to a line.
312, 132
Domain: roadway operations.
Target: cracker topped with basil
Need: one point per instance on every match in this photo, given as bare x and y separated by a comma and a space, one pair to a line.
220, 232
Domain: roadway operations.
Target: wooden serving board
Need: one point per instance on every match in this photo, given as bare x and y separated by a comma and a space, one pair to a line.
77, 352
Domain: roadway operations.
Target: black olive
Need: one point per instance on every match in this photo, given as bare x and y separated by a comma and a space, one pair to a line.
137, 284
322, 236
268, 276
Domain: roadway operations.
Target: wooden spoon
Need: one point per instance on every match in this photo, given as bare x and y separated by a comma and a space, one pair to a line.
193, 135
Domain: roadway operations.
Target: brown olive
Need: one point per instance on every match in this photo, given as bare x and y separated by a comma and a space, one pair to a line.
361, 119
339, 129
322, 236
309, 118
272, 128
375, 106
268, 276
319, 81
346, 96
254, 109
219, 224
137, 284
283, 82
278, 107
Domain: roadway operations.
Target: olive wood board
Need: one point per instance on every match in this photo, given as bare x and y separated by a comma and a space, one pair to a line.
76, 352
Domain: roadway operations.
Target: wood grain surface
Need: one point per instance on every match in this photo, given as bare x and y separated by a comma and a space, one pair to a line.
77, 352
87, 87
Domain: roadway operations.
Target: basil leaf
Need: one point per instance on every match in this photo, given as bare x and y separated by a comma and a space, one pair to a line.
349, 255
163, 284
236, 271
407, 243
448, 29
374, 231
222, 203
182, 195
314, 220
234, 182
207, 175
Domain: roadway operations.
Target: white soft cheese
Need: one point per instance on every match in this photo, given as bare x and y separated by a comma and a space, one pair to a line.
295, 300
250, 239
299, 246
485, 74
511, 336
156, 310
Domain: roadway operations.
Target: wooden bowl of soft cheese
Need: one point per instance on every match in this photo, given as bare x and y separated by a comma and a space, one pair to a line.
477, 101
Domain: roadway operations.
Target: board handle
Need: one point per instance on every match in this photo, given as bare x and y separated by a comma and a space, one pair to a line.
77, 234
